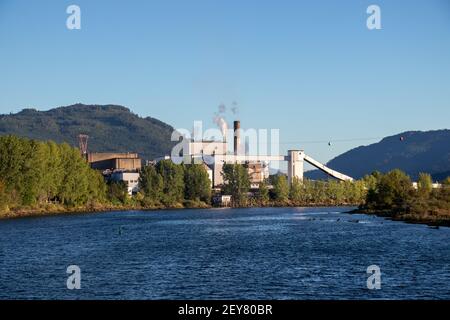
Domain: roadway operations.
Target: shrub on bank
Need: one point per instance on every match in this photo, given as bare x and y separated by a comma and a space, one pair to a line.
393, 194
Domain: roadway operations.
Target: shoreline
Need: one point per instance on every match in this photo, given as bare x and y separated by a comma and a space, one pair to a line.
62, 211
50, 211
431, 221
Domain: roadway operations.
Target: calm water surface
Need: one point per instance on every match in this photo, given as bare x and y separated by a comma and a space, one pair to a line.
270, 253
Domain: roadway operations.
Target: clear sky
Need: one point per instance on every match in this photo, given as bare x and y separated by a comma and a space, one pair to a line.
309, 68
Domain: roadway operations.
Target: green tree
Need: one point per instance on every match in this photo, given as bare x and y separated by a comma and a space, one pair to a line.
151, 184
54, 171
118, 192
35, 172
424, 185
359, 191
236, 182
173, 181
296, 190
197, 185
392, 191
371, 180
337, 191
280, 188
3, 197
263, 193
307, 191
319, 193
97, 188
74, 187
12, 158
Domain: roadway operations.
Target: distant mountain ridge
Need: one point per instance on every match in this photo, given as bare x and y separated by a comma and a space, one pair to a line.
411, 151
111, 128
114, 128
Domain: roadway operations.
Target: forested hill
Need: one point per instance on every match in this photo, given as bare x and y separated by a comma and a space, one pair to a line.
111, 128
412, 152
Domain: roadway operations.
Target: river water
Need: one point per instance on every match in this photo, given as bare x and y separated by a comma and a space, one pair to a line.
270, 253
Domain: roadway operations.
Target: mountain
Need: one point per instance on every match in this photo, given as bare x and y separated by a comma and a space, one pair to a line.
412, 152
111, 128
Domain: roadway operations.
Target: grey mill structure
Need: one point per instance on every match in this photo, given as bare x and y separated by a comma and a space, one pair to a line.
215, 154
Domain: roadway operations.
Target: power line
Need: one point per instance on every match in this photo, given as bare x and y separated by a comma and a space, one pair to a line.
331, 141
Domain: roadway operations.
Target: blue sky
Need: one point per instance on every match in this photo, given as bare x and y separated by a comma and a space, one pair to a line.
309, 68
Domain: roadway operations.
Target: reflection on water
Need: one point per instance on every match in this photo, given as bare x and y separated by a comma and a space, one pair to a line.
269, 253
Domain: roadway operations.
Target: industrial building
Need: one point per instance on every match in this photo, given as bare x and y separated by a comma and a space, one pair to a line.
118, 167
114, 161
114, 166
214, 154
130, 178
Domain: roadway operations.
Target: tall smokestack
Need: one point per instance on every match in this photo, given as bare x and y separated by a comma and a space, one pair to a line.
237, 136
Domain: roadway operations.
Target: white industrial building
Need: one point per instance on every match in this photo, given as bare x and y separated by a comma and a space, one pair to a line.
214, 154
130, 178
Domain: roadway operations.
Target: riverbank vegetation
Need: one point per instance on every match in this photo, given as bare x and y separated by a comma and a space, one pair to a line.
45, 177
37, 174
276, 190
393, 195
174, 185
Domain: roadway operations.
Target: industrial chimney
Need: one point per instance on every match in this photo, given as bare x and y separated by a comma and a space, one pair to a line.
237, 136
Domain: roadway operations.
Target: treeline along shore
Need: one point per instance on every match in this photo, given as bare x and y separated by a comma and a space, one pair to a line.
393, 195
42, 178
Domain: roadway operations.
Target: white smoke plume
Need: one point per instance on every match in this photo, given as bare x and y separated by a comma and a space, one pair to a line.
219, 117
234, 107
222, 108
222, 124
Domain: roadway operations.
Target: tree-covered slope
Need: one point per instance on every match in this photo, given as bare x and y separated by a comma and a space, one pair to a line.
111, 128
412, 152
